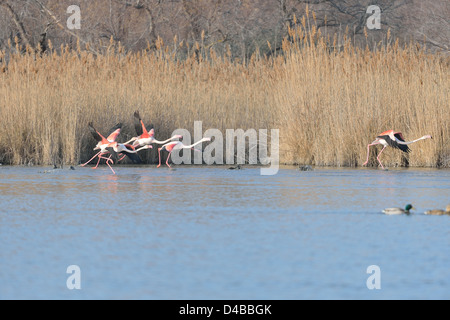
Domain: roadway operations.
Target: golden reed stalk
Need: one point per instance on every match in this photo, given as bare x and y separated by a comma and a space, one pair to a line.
328, 101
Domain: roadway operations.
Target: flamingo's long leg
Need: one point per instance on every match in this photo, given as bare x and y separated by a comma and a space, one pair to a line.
368, 151
109, 159
99, 157
110, 167
378, 157
122, 157
91, 159
159, 153
167, 162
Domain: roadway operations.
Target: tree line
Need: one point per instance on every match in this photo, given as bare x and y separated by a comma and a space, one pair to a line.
234, 27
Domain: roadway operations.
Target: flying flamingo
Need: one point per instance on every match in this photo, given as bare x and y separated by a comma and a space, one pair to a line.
177, 145
393, 139
145, 137
103, 144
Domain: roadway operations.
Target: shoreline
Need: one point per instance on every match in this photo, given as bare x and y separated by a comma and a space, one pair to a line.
225, 167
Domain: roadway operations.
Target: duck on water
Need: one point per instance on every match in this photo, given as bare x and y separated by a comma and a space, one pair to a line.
397, 211
438, 212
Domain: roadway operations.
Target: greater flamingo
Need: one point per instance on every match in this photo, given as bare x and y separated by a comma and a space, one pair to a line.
393, 139
145, 137
103, 144
177, 145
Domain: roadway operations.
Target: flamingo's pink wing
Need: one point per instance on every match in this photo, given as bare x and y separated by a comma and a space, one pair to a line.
113, 136
386, 133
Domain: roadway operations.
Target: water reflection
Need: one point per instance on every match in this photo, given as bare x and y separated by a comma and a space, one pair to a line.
108, 183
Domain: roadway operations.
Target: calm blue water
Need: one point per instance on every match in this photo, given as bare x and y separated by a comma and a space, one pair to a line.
212, 233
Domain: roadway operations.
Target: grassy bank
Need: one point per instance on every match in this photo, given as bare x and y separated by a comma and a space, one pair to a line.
328, 103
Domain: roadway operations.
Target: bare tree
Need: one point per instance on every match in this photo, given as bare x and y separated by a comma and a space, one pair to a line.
241, 26
428, 22
338, 15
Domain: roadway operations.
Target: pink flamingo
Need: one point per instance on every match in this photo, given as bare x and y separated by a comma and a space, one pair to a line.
145, 137
393, 139
103, 144
177, 145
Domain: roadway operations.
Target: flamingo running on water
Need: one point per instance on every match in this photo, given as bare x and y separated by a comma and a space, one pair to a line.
145, 137
103, 144
177, 145
393, 139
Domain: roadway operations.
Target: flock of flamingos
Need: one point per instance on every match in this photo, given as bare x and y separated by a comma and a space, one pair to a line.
146, 137
144, 140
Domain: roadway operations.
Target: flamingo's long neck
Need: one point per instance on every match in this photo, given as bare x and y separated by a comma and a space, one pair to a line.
165, 141
193, 145
131, 140
409, 142
124, 148
144, 147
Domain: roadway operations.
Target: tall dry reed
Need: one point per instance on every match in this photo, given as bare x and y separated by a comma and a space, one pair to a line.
329, 100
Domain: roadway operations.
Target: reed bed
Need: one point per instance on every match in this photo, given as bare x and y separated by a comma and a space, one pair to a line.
329, 101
